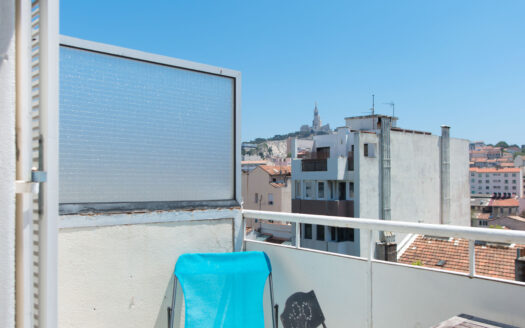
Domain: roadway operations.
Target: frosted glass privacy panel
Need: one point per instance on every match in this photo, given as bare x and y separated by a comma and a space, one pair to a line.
135, 131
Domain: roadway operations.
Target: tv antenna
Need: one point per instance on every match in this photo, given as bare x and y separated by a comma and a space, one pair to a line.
373, 109
393, 107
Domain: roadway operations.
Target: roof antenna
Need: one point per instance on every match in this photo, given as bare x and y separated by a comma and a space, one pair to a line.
373, 109
393, 108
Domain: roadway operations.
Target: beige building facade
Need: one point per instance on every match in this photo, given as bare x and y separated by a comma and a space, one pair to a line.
267, 188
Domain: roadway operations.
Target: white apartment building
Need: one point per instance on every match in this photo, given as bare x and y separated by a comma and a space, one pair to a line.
501, 181
372, 169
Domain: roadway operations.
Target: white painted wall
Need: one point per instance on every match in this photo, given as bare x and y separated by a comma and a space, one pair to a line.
278, 230
398, 295
459, 182
339, 283
7, 163
122, 275
367, 183
423, 298
415, 177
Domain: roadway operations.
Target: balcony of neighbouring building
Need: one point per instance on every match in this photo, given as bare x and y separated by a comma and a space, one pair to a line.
315, 161
324, 207
330, 168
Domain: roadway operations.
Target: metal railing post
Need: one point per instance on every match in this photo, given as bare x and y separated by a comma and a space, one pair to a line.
297, 235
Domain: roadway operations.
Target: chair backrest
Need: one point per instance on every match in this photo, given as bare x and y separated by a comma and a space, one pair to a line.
223, 289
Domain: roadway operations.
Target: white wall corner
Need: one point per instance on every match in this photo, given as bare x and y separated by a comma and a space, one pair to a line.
7, 163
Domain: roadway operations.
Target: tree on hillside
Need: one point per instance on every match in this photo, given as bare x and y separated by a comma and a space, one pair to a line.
502, 144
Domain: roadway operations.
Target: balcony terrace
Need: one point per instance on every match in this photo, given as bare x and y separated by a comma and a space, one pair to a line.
366, 292
99, 233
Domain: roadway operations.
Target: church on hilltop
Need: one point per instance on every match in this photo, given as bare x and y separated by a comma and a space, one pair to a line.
316, 124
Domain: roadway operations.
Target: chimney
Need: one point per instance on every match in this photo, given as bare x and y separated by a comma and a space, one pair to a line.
385, 179
445, 174
519, 264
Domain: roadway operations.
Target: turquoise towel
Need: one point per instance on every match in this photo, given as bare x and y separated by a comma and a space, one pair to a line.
223, 289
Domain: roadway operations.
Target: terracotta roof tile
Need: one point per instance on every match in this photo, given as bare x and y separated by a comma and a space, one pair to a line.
494, 261
495, 170
277, 170
510, 202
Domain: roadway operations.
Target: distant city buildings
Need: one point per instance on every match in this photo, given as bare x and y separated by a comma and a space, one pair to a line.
498, 181
370, 168
483, 156
519, 162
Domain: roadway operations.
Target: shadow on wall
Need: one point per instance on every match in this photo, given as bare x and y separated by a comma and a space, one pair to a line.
162, 316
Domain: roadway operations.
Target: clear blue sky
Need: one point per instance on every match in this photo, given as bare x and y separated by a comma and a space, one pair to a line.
460, 63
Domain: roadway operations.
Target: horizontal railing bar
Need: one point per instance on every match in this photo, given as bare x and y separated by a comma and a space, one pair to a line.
484, 234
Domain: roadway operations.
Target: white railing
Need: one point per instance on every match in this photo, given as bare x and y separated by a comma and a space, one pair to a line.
362, 287
372, 225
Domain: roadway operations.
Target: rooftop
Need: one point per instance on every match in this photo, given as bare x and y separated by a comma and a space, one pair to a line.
277, 170
370, 116
495, 170
491, 260
510, 202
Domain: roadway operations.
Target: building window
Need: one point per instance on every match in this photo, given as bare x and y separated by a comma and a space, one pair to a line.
330, 190
308, 189
513, 174
479, 181
342, 190
506, 181
487, 181
479, 175
369, 150
472, 180
506, 175
320, 232
351, 190
472, 174
506, 187
256, 198
333, 233
513, 187
513, 181
270, 199
487, 188
307, 231
345, 234
320, 190
479, 188
297, 189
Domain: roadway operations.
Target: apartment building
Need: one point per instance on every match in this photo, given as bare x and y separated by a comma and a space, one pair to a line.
267, 188
519, 161
370, 168
500, 181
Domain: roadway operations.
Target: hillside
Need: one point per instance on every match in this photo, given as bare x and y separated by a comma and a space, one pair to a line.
274, 147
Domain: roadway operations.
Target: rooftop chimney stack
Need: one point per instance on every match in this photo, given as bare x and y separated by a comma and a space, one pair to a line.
445, 174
